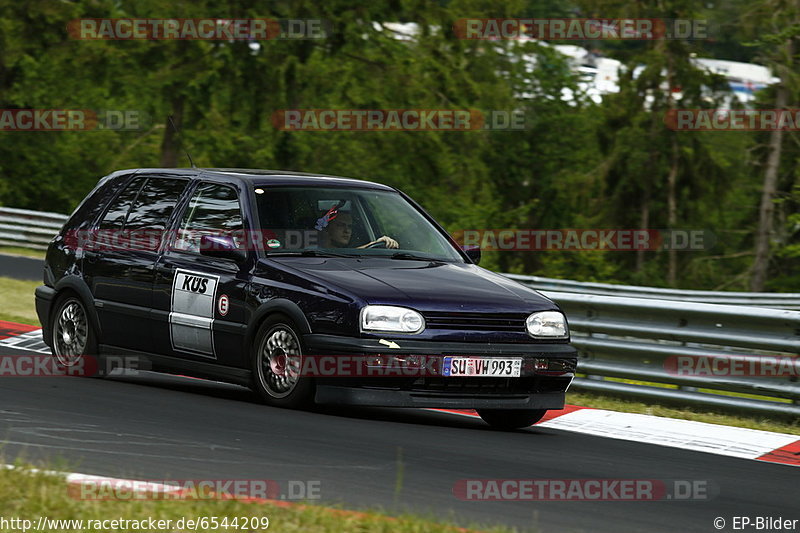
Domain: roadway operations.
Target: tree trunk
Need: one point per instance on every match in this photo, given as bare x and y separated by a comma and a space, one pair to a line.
170, 145
644, 223
767, 207
672, 211
672, 176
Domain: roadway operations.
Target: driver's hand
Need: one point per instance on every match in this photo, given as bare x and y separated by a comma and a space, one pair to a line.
390, 243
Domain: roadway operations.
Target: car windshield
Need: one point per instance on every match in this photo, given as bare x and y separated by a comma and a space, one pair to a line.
347, 222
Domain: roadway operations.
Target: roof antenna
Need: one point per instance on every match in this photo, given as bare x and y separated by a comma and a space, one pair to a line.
179, 134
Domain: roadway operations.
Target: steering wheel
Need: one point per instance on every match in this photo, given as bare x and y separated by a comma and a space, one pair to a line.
379, 244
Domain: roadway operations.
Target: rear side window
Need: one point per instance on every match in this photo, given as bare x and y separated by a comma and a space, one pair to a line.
155, 204
94, 203
213, 210
117, 212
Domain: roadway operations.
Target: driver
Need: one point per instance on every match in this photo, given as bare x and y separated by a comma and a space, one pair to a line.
337, 230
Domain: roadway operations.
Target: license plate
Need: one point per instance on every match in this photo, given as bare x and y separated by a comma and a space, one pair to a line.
482, 367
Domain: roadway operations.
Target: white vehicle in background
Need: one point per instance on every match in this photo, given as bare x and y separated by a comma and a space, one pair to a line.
745, 79
599, 75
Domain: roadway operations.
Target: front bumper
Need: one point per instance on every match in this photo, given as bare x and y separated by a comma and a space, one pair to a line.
534, 389
376, 397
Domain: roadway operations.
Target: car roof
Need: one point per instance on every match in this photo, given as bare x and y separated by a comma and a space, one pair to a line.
265, 177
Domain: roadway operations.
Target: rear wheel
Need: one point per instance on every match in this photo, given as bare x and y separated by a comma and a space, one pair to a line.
277, 361
74, 339
511, 418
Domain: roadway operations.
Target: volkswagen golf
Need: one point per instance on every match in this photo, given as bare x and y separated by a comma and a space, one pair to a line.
306, 288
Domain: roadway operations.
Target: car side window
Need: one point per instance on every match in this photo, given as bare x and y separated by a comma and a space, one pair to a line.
213, 210
117, 212
95, 203
155, 204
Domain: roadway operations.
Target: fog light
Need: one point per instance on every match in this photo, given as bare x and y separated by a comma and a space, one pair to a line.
376, 360
413, 361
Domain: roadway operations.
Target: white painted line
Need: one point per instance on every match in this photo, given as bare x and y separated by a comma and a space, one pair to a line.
686, 434
104, 481
31, 340
148, 487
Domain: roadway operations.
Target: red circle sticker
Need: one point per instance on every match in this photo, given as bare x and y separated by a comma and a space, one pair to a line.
222, 305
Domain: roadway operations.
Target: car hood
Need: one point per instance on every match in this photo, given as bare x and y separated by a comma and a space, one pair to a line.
422, 285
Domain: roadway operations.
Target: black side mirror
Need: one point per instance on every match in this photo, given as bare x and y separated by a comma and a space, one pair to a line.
473, 252
221, 246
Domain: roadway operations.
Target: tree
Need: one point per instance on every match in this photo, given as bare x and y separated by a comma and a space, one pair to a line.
778, 49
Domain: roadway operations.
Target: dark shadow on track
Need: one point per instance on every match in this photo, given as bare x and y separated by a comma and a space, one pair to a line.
227, 391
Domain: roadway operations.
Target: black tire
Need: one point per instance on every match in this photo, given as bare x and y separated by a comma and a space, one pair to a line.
73, 337
277, 357
511, 418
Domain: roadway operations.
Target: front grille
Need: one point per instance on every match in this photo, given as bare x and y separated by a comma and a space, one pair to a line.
476, 321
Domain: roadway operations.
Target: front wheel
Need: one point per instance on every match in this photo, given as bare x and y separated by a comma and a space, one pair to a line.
277, 362
511, 418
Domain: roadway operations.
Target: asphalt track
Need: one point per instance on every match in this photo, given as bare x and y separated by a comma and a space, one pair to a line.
158, 427
19, 267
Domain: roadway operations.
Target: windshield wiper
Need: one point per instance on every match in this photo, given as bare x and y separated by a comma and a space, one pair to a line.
308, 253
411, 257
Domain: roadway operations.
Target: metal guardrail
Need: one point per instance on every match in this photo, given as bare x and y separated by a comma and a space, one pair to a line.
628, 332
774, 300
28, 229
661, 342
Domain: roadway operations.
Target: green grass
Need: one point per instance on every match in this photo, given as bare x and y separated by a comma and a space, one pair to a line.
16, 301
28, 495
17, 250
600, 401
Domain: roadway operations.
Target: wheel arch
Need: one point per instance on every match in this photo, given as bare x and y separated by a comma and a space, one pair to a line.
272, 307
75, 285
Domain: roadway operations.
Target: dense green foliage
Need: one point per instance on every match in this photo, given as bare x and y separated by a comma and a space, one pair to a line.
578, 165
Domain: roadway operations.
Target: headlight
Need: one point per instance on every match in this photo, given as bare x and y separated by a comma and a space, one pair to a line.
547, 324
390, 318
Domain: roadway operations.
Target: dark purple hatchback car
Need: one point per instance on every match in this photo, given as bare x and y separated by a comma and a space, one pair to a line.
307, 288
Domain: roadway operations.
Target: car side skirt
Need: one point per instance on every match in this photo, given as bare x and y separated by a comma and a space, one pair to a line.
173, 365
